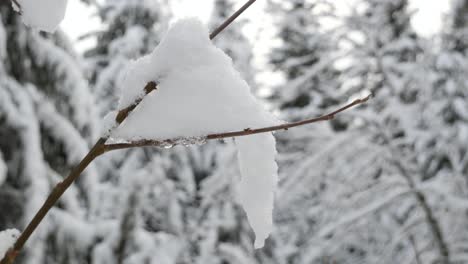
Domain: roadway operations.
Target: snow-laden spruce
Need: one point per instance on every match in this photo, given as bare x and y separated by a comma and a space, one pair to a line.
7, 239
199, 93
43, 15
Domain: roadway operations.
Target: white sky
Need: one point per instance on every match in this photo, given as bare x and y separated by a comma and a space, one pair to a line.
429, 15
79, 19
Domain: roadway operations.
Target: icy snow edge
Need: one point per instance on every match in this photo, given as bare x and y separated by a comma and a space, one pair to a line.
7, 240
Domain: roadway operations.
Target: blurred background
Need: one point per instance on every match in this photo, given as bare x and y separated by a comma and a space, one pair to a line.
386, 182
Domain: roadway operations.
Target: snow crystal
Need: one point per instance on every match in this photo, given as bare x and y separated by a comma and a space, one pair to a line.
7, 239
259, 171
200, 93
43, 15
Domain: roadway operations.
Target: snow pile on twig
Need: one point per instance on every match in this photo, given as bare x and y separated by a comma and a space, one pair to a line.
199, 93
259, 179
43, 15
7, 239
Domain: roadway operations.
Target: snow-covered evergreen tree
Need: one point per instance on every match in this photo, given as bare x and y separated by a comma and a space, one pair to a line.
413, 129
444, 148
47, 122
382, 207
306, 57
133, 28
386, 184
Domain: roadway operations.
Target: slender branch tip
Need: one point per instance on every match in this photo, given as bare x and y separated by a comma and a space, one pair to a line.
239, 133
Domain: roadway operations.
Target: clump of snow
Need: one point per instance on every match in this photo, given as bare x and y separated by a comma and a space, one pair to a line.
256, 155
43, 15
7, 239
199, 93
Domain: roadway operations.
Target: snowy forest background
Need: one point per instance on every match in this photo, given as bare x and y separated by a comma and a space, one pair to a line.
383, 183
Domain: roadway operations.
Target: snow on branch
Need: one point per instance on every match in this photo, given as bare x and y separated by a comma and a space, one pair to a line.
239, 133
7, 239
151, 85
192, 94
199, 92
97, 150
43, 15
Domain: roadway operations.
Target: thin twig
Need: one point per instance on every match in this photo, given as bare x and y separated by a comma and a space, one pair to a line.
15, 2
231, 19
97, 150
240, 133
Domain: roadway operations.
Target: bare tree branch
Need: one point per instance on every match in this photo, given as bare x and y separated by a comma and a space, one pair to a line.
97, 150
231, 19
245, 132
15, 2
